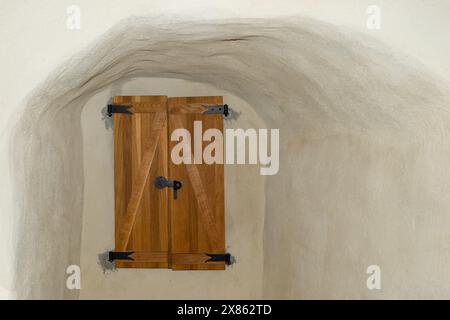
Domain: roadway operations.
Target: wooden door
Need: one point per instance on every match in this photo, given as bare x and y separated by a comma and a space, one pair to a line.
140, 155
197, 215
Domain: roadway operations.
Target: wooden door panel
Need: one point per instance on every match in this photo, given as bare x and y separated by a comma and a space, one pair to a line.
157, 230
197, 215
141, 210
198, 259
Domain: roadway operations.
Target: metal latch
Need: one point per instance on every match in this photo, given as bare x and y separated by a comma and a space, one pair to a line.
120, 256
161, 183
117, 108
220, 257
217, 109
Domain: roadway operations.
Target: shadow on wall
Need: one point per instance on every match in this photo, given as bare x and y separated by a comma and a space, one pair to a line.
304, 77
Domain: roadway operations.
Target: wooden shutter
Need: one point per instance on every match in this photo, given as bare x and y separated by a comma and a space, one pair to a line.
152, 228
197, 215
140, 155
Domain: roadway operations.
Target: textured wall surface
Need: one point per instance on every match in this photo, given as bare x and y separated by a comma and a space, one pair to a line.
363, 177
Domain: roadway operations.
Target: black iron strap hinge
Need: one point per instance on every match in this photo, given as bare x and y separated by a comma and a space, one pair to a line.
117, 108
120, 256
210, 109
219, 257
217, 109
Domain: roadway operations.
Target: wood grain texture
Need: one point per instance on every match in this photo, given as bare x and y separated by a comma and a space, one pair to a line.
194, 258
142, 174
197, 216
200, 194
143, 259
141, 211
163, 232
184, 108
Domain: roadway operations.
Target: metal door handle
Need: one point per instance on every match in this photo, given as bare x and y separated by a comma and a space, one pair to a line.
161, 183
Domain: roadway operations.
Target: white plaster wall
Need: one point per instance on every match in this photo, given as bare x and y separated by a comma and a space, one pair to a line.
244, 211
362, 201
364, 108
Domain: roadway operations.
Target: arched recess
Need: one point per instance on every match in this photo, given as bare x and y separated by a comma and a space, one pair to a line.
244, 209
313, 81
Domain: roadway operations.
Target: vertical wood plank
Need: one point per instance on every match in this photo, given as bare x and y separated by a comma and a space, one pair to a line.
140, 155
197, 216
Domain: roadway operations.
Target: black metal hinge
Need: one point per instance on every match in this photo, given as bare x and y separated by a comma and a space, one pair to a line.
219, 257
117, 108
217, 109
120, 256
210, 109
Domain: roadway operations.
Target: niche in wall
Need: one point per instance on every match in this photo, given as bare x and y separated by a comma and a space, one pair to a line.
244, 215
